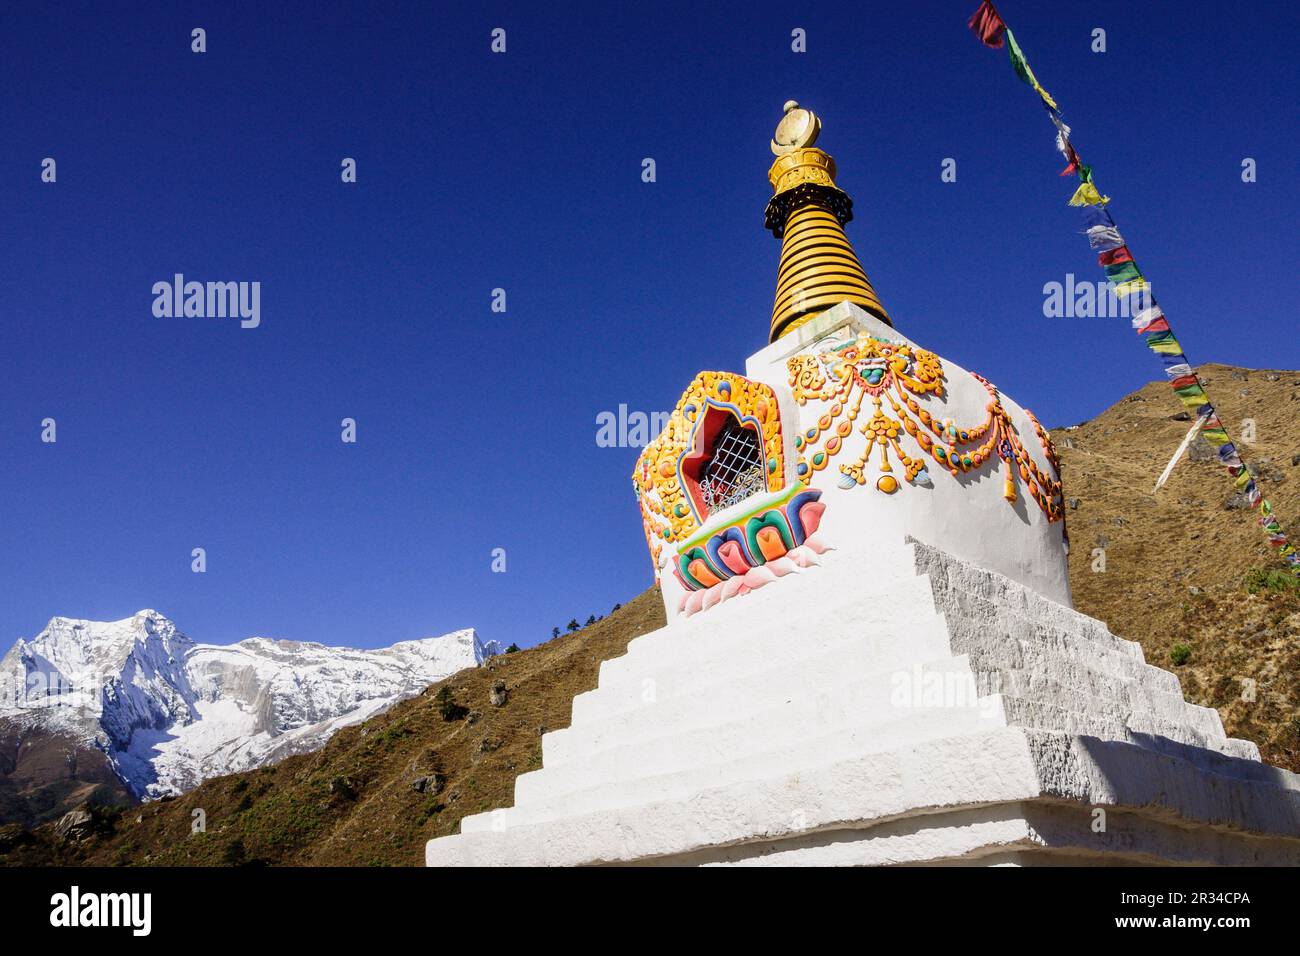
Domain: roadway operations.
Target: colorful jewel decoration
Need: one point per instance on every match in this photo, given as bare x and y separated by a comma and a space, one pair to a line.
778, 536
665, 479
896, 374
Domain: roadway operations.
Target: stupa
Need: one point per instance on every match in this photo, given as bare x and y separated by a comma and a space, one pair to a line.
871, 655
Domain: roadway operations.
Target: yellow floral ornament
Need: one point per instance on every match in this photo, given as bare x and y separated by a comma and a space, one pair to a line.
896, 374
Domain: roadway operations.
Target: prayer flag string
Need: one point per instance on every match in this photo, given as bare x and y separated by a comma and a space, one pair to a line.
1128, 282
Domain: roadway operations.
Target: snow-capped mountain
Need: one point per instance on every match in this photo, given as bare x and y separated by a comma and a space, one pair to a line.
169, 713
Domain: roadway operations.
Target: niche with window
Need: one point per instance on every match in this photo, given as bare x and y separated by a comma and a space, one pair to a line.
729, 465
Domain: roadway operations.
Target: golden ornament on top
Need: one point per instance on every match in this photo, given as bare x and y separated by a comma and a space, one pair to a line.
798, 129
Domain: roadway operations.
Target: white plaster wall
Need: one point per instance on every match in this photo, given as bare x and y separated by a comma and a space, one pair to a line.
965, 515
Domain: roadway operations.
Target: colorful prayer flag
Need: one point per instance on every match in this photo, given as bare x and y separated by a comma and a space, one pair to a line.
1105, 238
1130, 287
1148, 315
1123, 272
1097, 216
1021, 66
1142, 299
988, 26
1087, 195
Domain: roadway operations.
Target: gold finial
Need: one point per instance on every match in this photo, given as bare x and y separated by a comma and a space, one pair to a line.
807, 213
798, 129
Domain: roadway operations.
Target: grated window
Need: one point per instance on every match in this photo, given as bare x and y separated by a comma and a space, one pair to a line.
735, 471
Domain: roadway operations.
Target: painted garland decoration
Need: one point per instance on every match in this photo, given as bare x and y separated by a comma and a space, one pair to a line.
894, 373
669, 513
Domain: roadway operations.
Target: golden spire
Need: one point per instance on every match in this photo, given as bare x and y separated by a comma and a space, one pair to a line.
818, 266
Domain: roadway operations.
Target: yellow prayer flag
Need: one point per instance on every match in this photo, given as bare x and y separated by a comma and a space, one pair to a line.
1128, 288
1087, 195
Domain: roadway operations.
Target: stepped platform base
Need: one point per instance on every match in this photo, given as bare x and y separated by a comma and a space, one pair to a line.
925, 712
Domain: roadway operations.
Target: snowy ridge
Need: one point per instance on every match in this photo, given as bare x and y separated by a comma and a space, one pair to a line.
169, 712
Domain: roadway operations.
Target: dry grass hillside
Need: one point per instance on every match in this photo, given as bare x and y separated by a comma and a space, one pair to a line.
43, 775
1189, 564
1183, 567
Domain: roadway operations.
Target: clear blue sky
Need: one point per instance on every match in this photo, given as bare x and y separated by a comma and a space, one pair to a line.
522, 171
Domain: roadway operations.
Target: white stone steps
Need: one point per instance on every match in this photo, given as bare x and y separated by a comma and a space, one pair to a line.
1020, 646
1031, 699
949, 573
807, 751
825, 598
997, 768
857, 702
974, 617
1044, 666
613, 714
991, 768
1062, 714
751, 695
1048, 705
774, 716
1139, 687
916, 632
1154, 713
1121, 698
977, 630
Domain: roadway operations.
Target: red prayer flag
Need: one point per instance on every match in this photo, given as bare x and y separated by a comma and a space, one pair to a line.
1114, 257
1184, 380
988, 26
1159, 325
1073, 157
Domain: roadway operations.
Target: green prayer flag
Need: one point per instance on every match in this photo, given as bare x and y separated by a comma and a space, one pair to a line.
1123, 272
1018, 61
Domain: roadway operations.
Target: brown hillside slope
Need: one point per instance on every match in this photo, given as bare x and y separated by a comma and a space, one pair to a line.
1176, 566
44, 775
1177, 561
